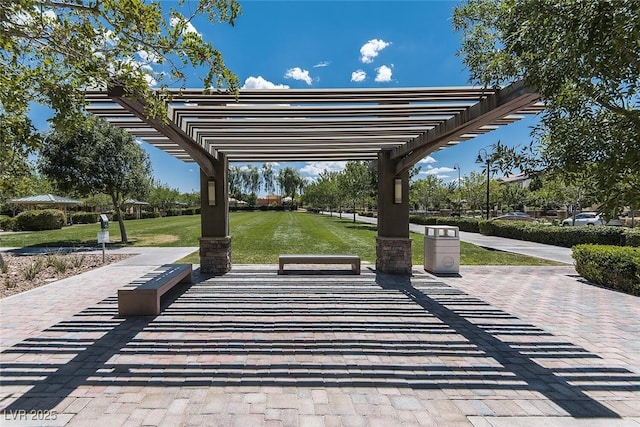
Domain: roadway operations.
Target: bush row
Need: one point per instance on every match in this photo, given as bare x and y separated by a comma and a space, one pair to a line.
464, 224
260, 208
555, 235
541, 233
84, 218
610, 266
47, 219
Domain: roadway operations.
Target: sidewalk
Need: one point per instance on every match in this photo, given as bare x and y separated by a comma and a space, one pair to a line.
497, 346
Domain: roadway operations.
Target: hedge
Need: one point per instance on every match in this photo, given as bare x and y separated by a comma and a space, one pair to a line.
84, 218
464, 224
633, 237
610, 266
6, 223
47, 219
554, 235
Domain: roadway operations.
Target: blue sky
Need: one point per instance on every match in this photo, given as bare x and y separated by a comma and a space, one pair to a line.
343, 44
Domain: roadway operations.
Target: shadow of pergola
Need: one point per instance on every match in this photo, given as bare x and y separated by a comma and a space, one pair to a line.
254, 328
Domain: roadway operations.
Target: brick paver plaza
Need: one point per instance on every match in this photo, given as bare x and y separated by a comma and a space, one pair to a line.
498, 346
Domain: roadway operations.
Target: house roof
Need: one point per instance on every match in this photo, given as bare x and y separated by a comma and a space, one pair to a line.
43, 199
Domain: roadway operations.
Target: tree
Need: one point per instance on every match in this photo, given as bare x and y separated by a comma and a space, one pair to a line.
51, 52
251, 180
162, 197
94, 158
323, 193
354, 182
425, 192
268, 178
18, 140
290, 181
582, 57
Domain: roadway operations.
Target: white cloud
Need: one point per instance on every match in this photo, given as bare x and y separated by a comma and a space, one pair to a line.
384, 74
438, 171
187, 26
428, 159
261, 83
322, 64
148, 57
358, 76
297, 73
370, 50
313, 169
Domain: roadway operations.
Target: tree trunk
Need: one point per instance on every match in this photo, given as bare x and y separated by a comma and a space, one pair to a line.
123, 232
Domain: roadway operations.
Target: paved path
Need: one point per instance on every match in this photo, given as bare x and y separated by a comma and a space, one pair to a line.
539, 250
498, 346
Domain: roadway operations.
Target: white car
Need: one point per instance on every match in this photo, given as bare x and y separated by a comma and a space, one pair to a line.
584, 218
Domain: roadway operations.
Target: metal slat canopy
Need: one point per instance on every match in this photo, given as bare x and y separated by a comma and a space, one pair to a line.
318, 124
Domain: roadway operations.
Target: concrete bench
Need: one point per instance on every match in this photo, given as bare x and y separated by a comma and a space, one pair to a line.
142, 297
354, 260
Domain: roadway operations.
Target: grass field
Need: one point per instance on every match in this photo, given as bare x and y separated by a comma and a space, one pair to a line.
259, 237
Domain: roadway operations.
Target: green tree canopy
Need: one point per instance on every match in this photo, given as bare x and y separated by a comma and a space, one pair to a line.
584, 59
97, 158
51, 52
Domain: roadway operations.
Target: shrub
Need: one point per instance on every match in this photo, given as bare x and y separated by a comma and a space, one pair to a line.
554, 235
48, 219
611, 266
464, 224
6, 223
84, 218
33, 269
146, 215
633, 237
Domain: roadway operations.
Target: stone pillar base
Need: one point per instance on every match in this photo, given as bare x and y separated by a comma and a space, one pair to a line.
215, 255
393, 255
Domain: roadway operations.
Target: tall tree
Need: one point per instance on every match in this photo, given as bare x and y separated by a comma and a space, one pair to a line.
291, 182
268, 178
96, 157
583, 57
251, 178
51, 51
355, 183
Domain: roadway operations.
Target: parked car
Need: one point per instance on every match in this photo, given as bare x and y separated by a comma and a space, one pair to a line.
515, 216
584, 218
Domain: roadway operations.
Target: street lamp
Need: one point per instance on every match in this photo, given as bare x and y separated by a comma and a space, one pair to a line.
486, 160
457, 166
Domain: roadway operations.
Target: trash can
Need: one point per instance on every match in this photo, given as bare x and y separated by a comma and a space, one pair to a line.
442, 249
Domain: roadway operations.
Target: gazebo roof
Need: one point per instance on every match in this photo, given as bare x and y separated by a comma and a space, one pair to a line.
135, 202
318, 124
44, 199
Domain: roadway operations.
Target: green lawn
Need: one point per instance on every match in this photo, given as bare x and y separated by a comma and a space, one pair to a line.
259, 237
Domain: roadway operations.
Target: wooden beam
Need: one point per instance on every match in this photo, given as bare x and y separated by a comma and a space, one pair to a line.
205, 160
495, 106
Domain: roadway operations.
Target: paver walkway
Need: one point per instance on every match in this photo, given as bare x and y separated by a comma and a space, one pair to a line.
497, 346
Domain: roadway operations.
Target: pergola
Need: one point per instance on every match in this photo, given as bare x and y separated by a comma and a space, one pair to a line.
396, 127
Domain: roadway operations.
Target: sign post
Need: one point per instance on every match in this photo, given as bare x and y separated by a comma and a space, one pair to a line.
103, 234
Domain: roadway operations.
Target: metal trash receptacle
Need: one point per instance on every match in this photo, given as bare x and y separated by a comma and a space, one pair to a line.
442, 249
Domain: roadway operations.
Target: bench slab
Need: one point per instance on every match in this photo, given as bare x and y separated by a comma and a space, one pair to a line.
353, 260
142, 297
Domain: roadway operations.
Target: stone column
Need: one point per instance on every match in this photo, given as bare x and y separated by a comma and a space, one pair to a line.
215, 243
393, 245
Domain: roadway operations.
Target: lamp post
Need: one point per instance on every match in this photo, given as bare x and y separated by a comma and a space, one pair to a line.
481, 160
457, 166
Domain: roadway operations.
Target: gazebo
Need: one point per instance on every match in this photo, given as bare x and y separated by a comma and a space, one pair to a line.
394, 127
136, 205
45, 200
